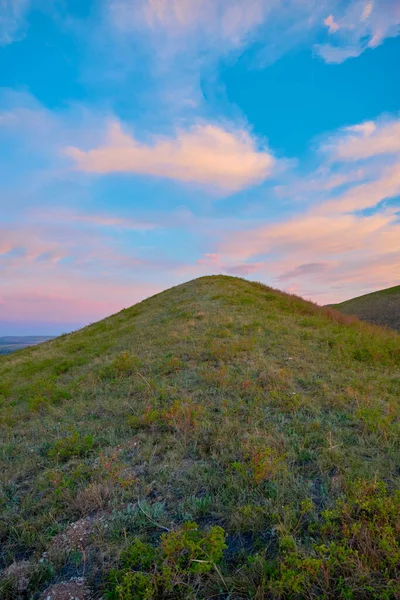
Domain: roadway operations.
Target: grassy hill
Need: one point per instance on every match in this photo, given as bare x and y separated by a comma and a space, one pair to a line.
381, 308
218, 440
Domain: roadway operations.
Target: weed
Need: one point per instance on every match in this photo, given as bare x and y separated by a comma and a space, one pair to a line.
74, 445
184, 555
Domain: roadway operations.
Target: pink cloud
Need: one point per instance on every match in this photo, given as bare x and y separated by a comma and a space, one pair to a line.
206, 154
330, 249
363, 24
93, 219
365, 140
72, 299
366, 195
223, 23
243, 269
331, 24
209, 259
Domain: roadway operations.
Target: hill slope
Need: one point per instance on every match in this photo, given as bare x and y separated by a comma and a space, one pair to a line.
381, 308
218, 440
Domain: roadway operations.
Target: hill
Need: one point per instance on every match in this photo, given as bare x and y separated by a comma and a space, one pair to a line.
381, 308
17, 342
218, 440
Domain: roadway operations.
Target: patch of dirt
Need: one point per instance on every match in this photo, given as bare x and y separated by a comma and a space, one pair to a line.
75, 589
76, 536
20, 573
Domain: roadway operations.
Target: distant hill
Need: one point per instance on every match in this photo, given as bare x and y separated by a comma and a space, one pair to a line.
17, 342
380, 308
218, 440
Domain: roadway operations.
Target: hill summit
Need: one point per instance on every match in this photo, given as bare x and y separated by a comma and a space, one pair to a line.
218, 440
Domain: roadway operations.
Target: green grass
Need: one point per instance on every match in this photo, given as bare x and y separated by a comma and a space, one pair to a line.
242, 442
380, 308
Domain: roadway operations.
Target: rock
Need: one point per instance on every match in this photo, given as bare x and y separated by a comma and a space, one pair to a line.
74, 589
19, 573
75, 537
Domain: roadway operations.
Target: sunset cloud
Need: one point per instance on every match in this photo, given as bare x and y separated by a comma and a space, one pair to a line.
208, 23
334, 244
205, 154
365, 140
228, 25
363, 25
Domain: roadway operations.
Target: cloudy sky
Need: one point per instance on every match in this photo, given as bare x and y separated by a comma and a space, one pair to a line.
144, 143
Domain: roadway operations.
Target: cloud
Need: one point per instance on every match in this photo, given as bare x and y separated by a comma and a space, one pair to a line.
201, 32
205, 154
62, 300
94, 220
351, 251
338, 242
306, 269
68, 267
363, 25
215, 27
12, 16
365, 140
207, 23
331, 24
337, 55
367, 195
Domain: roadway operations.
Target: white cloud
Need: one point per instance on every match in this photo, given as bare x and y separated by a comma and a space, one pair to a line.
205, 154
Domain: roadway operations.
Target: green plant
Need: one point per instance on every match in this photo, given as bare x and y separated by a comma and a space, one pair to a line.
191, 550
182, 555
74, 445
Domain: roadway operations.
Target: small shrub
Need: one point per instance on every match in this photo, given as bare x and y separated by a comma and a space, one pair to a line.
134, 586
363, 355
139, 556
74, 445
190, 550
357, 555
184, 557
265, 464
183, 416
122, 366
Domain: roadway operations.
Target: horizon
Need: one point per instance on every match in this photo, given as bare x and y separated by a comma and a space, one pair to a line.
53, 330
147, 143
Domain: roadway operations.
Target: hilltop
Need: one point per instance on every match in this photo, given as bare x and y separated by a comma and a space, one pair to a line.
381, 308
218, 440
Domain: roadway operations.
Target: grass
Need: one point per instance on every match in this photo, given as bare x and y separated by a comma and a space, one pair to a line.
380, 308
226, 441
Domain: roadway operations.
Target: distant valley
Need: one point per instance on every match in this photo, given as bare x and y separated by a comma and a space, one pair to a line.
12, 343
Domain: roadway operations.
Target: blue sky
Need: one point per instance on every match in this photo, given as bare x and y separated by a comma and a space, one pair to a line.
147, 142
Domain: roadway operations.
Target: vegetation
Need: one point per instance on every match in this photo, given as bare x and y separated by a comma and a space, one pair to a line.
218, 440
380, 308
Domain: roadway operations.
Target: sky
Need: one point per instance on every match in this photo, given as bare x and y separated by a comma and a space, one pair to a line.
144, 143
